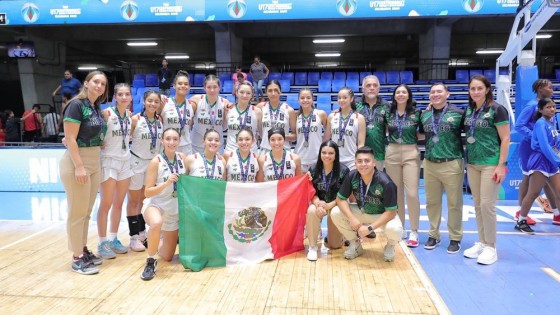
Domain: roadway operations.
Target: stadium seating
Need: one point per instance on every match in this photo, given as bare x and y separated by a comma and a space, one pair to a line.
337, 84
557, 71
140, 76
288, 76
138, 83
225, 76
462, 76
363, 75
300, 78
327, 75
274, 76
284, 85
172, 91
381, 76
407, 77
152, 79
229, 97
339, 76
198, 79
324, 86
324, 102
352, 76
393, 77
313, 78
354, 84
490, 74
474, 72
292, 100
227, 86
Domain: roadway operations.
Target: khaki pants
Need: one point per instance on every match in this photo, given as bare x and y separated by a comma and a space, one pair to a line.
380, 165
314, 224
81, 197
446, 176
485, 193
402, 164
393, 229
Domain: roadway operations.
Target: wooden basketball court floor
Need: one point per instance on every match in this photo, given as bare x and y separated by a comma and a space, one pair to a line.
35, 275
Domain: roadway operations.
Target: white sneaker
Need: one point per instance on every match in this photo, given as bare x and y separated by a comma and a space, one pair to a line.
354, 250
136, 244
412, 239
312, 253
389, 253
488, 256
474, 251
404, 235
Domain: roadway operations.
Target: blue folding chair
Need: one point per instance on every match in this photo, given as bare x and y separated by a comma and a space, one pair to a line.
393, 77
313, 78
227, 86
406, 77
363, 75
292, 100
353, 84
274, 76
288, 76
224, 76
285, 85
324, 86
324, 102
199, 79
138, 83
140, 76
327, 75
300, 78
462, 76
152, 79
339, 76
337, 84
352, 76
474, 72
381, 76
491, 75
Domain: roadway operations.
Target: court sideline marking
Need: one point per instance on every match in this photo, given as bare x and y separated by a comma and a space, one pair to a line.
551, 272
30, 236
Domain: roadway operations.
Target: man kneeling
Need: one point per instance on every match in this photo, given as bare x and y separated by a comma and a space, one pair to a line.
376, 207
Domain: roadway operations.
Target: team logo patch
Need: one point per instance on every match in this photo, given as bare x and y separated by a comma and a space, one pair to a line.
288, 165
236, 8
450, 119
346, 7
472, 6
249, 225
129, 10
30, 12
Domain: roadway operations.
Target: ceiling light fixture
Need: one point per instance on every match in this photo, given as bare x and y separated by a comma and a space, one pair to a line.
329, 41
87, 68
333, 54
543, 36
141, 44
493, 51
177, 57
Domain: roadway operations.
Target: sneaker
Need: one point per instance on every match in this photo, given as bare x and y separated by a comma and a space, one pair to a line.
529, 220
150, 269
144, 238
389, 253
488, 256
91, 257
412, 239
371, 235
354, 250
105, 251
431, 243
523, 227
312, 253
136, 244
556, 220
118, 247
544, 204
83, 266
454, 247
474, 251
404, 235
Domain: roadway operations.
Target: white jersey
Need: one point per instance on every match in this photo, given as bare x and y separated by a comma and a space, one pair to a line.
275, 118
117, 138
284, 171
165, 200
207, 170
142, 138
308, 154
207, 117
250, 168
235, 120
348, 141
172, 119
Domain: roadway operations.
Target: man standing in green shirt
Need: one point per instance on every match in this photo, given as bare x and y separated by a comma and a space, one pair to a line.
374, 108
443, 167
376, 207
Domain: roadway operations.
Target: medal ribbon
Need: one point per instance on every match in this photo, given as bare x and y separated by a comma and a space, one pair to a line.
307, 129
435, 125
242, 121
362, 193
274, 114
326, 179
278, 176
474, 119
400, 123
153, 135
182, 118
341, 126
245, 174
124, 126
173, 167
209, 175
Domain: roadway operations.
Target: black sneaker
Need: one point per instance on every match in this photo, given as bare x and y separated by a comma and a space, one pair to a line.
524, 227
91, 257
84, 266
454, 247
371, 235
150, 269
431, 243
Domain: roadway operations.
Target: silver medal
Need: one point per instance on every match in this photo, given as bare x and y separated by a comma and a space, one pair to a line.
399, 140
435, 139
340, 143
174, 194
305, 144
471, 140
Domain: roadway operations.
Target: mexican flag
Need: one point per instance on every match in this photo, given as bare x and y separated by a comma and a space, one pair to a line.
225, 223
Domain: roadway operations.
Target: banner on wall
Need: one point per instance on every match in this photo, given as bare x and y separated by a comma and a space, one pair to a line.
53, 12
31, 170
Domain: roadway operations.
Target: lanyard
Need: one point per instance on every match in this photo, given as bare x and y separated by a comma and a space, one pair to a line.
435, 125
173, 167
244, 169
124, 126
153, 135
474, 119
341, 126
307, 120
278, 175
273, 114
99, 117
370, 113
362, 193
326, 179
400, 123
209, 175
183, 117
211, 113
242, 121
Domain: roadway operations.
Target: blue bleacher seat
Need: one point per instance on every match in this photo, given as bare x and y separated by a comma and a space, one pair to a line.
137, 107
227, 86
352, 76
138, 98
327, 75
292, 100
288, 76
230, 98
139, 76
191, 78
224, 76
140, 91
133, 90
462, 76
153, 88
285, 85
354, 84
152, 79
337, 84
138, 83
198, 79
381, 76
393, 77
172, 91
300, 78
407, 77
274, 76
491, 75
557, 71
324, 102
363, 75
474, 72
339, 76
313, 78
324, 86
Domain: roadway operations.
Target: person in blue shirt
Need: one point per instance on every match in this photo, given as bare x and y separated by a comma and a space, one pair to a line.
524, 125
543, 162
68, 85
